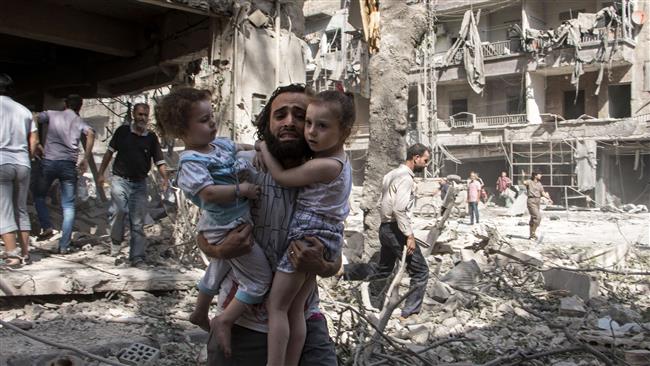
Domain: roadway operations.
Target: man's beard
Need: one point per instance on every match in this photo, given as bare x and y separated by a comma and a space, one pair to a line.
418, 169
140, 125
286, 150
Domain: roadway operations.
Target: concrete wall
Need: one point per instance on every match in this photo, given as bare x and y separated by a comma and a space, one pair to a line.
641, 68
255, 62
498, 23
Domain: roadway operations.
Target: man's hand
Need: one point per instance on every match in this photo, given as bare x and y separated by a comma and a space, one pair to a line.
410, 245
82, 166
101, 180
238, 242
164, 185
307, 256
250, 190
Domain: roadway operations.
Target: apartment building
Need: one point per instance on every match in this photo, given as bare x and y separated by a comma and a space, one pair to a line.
564, 88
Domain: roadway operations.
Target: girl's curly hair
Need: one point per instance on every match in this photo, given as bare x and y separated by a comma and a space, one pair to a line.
173, 112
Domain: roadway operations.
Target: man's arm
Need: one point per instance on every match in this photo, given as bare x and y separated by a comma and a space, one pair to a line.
88, 149
307, 256
101, 178
159, 161
238, 241
33, 144
403, 188
162, 170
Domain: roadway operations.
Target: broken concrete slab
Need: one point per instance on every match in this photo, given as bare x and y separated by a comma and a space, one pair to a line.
438, 291
92, 272
464, 275
637, 357
514, 256
576, 283
608, 256
572, 306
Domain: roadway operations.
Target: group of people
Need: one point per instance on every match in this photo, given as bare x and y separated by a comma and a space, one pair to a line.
505, 189
42, 158
272, 213
45, 147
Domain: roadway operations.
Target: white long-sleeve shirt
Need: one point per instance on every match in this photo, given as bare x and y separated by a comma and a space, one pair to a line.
397, 197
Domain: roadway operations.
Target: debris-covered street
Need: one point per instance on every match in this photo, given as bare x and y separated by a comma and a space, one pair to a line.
494, 298
325, 182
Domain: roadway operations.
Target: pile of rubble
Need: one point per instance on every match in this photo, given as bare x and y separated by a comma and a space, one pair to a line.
578, 296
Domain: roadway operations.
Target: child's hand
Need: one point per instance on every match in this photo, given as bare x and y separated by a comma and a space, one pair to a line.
249, 190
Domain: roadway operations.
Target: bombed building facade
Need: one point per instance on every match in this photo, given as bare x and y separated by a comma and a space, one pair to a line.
562, 87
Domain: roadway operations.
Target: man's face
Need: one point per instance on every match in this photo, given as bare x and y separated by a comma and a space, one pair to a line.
285, 134
421, 161
141, 116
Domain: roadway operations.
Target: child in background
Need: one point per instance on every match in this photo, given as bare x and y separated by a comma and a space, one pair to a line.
212, 176
325, 183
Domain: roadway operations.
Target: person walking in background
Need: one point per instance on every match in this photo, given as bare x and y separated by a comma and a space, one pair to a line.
535, 193
474, 187
61, 135
396, 232
18, 142
503, 185
136, 148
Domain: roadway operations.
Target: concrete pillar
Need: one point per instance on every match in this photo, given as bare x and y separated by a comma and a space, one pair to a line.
535, 97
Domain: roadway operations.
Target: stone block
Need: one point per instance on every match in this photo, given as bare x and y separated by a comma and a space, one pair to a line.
353, 245
576, 283
572, 306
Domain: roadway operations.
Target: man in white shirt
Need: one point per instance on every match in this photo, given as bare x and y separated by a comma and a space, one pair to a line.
18, 141
395, 231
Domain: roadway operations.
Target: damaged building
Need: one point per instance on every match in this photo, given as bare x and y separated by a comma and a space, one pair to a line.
562, 87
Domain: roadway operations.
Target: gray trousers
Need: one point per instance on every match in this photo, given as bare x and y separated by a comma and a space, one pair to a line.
14, 187
249, 347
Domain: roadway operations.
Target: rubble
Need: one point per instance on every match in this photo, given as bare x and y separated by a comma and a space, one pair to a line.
575, 283
572, 306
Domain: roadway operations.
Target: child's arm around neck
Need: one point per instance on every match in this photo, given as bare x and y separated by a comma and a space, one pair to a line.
318, 170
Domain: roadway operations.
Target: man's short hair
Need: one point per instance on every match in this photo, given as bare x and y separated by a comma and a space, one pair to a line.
264, 118
140, 105
74, 102
416, 149
5, 83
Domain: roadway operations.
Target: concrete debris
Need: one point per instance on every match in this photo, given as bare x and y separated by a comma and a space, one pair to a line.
637, 357
572, 306
575, 283
439, 291
464, 275
139, 354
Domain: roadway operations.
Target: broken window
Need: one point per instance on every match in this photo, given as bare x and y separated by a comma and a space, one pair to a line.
574, 107
458, 105
619, 101
333, 40
258, 101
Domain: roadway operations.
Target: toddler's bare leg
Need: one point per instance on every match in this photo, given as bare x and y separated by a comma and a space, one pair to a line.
199, 316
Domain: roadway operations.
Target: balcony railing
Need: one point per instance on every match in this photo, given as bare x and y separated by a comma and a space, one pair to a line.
491, 50
501, 121
462, 120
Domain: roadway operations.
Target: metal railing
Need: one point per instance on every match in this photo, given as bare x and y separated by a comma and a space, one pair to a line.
501, 121
491, 50
462, 120
496, 49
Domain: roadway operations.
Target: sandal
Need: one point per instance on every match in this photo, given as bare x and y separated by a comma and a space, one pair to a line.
11, 262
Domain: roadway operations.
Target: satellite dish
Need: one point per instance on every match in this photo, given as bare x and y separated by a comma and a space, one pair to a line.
639, 17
